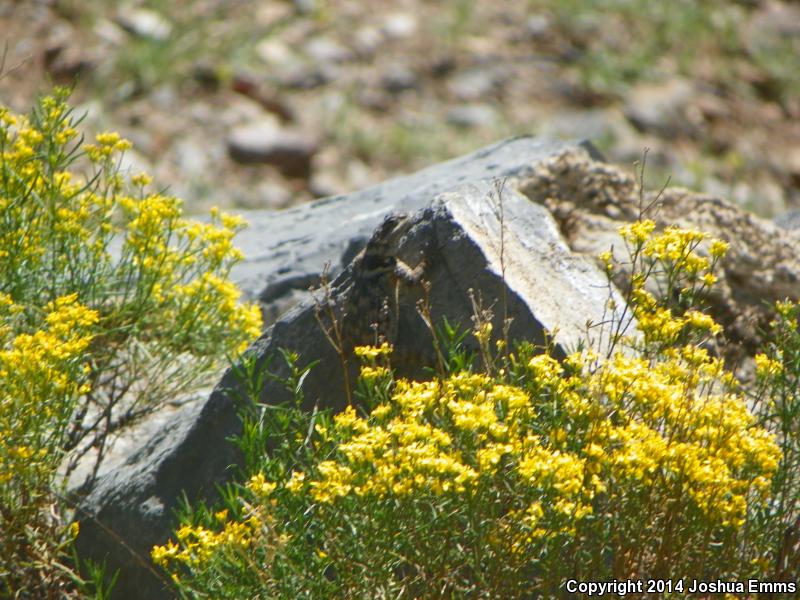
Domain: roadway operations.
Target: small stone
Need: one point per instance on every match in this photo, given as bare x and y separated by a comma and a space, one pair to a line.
592, 124
400, 25
191, 156
268, 98
274, 195
473, 85
538, 26
66, 62
288, 150
375, 100
110, 32
274, 52
661, 108
305, 7
367, 40
145, 23
306, 77
472, 116
326, 50
775, 20
399, 78
165, 97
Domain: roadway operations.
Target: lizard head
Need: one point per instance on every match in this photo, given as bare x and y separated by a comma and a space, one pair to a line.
386, 237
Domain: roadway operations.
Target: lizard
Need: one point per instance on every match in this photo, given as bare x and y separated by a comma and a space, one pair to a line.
371, 301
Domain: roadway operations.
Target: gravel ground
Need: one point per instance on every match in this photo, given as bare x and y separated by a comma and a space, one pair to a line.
265, 104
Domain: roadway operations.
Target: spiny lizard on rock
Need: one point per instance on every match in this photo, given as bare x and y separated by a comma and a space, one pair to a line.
371, 301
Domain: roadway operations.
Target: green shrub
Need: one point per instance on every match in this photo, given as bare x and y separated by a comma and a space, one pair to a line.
92, 339
635, 457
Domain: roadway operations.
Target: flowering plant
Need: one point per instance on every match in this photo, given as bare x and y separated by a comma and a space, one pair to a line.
111, 302
636, 460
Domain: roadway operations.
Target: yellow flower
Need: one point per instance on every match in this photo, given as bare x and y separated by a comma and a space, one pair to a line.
637, 233
719, 248
373, 352
260, 486
766, 366
296, 482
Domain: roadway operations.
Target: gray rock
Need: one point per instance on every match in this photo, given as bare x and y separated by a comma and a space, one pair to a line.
374, 99
273, 195
454, 227
306, 7
367, 39
193, 156
289, 150
326, 50
472, 115
661, 108
474, 85
399, 78
594, 123
110, 32
63, 59
306, 77
145, 23
400, 25
274, 52
538, 26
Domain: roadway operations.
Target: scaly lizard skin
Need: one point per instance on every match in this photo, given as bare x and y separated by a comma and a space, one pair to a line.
371, 304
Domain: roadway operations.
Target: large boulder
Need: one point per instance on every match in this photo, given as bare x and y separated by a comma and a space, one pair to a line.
456, 232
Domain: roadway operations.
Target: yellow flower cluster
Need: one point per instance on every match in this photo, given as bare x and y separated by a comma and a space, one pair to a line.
196, 545
670, 261
766, 366
675, 417
108, 144
173, 270
445, 437
40, 377
674, 248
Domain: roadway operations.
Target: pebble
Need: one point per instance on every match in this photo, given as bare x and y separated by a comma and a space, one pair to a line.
538, 26
191, 156
399, 78
144, 23
326, 50
275, 52
287, 149
661, 108
472, 116
367, 39
399, 25
472, 85
306, 77
110, 32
